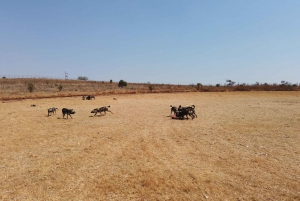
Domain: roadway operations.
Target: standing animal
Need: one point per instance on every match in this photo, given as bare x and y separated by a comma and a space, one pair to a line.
191, 110
83, 97
68, 112
173, 109
101, 109
187, 111
52, 110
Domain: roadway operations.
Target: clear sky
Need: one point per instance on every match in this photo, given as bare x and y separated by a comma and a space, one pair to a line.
157, 41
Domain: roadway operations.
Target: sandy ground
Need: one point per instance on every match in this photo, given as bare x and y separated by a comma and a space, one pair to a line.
242, 146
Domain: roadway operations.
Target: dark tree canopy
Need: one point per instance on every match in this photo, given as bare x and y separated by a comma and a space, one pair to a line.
82, 78
122, 83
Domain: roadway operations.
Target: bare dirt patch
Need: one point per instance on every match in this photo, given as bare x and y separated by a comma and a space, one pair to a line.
242, 146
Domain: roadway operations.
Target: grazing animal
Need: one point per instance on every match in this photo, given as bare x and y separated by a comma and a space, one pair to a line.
101, 109
68, 112
32, 105
52, 110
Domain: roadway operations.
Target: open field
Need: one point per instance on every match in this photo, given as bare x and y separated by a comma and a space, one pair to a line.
242, 146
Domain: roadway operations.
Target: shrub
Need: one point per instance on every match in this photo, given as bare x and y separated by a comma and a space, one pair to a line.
151, 87
199, 85
82, 78
30, 87
122, 83
241, 87
60, 87
110, 81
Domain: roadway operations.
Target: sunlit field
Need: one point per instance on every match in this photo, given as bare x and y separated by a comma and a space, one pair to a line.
242, 146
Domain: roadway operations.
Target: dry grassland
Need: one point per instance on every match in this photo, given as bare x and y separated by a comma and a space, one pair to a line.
242, 146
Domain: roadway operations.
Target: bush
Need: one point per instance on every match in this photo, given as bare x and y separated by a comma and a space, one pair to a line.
122, 83
30, 87
151, 87
60, 87
82, 78
199, 85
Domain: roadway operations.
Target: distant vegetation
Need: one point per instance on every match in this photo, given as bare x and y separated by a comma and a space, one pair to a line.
122, 83
150, 86
82, 78
30, 87
42, 87
60, 87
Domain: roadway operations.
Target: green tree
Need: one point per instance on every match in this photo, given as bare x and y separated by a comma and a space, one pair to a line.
122, 83
230, 82
82, 78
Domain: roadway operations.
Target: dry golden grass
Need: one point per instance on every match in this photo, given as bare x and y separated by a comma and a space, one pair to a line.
49, 88
242, 146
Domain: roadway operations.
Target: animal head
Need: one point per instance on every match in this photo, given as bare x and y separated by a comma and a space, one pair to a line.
94, 110
72, 111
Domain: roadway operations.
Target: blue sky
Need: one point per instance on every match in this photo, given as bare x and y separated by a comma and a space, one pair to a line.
157, 41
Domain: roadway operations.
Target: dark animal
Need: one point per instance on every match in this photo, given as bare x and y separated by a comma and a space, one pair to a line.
191, 109
68, 112
173, 109
52, 110
90, 97
101, 109
181, 113
187, 111
33, 105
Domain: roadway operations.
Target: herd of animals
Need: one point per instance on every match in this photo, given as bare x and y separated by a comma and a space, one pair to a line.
176, 112
181, 112
68, 112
